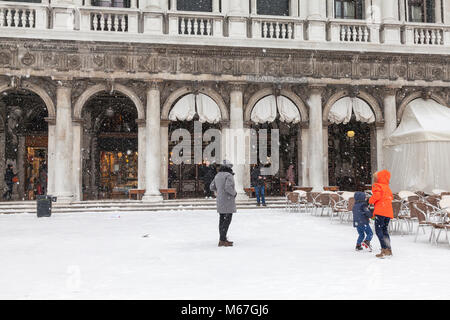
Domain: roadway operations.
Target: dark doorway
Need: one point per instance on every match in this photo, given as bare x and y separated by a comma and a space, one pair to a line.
288, 153
188, 177
24, 141
349, 155
110, 167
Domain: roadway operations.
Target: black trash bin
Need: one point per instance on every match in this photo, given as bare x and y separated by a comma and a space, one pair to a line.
44, 205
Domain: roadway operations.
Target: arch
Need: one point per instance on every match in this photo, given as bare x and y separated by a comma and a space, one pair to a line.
416, 95
269, 91
371, 101
27, 85
93, 90
177, 94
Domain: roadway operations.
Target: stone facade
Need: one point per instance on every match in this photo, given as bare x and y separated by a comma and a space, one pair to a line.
65, 74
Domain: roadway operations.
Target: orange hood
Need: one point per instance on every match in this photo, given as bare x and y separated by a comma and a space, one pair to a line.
384, 177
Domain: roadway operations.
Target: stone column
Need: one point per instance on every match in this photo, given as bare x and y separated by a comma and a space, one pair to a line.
253, 7
153, 144
77, 159
164, 154
237, 22
389, 11
293, 11
215, 6
235, 151
390, 20
446, 10
141, 153
173, 5
317, 20
152, 16
390, 111
403, 10
330, 9
438, 11
316, 152
51, 153
303, 9
63, 135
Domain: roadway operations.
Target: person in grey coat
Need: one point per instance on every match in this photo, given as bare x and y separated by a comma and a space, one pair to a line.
223, 185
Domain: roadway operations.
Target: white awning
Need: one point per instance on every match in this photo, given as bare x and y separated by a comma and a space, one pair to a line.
342, 110
185, 109
265, 110
422, 121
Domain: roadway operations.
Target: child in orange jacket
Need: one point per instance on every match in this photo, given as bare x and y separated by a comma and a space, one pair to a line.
382, 200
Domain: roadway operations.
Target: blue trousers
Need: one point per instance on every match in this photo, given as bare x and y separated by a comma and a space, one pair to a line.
365, 233
259, 190
381, 229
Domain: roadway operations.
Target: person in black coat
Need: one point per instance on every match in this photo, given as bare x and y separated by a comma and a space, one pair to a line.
209, 172
361, 216
9, 176
257, 181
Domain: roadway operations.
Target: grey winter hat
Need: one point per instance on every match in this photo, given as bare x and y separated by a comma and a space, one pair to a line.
227, 163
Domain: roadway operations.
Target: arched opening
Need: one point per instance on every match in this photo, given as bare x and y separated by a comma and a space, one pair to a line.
109, 147
281, 114
24, 140
350, 144
191, 117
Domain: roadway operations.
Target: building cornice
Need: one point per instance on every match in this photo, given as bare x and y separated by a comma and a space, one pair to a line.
148, 62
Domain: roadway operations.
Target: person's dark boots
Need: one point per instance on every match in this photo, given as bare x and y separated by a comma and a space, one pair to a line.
225, 243
358, 247
258, 204
264, 205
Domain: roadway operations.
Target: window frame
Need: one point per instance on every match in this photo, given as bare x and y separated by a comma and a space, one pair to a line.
359, 9
428, 10
272, 14
195, 9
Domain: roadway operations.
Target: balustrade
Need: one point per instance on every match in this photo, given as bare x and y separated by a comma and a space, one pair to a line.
354, 31
426, 34
195, 24
20, 15
149, 21
277, 28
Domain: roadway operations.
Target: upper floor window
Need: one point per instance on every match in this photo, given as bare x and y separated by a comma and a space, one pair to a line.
349, 9
273, 8
421, 11
111, 3
194, 5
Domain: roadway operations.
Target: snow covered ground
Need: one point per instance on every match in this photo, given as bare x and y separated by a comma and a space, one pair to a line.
277, 255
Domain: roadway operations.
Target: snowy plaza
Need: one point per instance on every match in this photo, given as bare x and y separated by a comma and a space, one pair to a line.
132, 124
174, 255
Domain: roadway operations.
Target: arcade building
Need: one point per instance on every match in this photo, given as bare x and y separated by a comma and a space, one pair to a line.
92, 92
